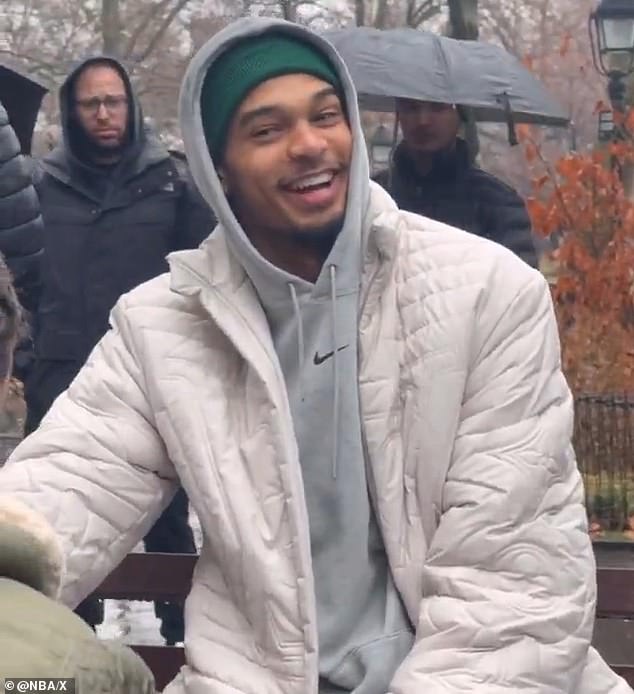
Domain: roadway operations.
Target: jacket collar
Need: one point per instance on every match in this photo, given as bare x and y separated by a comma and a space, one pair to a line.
62, 164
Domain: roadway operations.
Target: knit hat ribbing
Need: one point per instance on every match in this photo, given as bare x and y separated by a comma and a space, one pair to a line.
246, 65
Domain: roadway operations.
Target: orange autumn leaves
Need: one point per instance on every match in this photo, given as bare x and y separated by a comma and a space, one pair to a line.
581, 199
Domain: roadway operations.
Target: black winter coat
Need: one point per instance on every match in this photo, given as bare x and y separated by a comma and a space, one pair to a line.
102, 241
457, 193
21, 226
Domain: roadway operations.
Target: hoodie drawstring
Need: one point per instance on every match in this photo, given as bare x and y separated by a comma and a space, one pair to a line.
335, 366
335, 358
300, 334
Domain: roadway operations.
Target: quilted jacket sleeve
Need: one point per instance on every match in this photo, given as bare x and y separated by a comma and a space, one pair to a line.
96, 468
509, 580
21, 225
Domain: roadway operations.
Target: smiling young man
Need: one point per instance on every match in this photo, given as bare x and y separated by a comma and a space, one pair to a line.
365, 407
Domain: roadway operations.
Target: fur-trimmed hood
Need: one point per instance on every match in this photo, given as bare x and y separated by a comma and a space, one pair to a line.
40, 636
30, 551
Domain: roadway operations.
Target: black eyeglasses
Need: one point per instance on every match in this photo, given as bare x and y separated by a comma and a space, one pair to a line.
113, 104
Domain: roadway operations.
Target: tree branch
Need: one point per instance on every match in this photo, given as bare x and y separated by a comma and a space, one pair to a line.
165, 24
153, 11
419, 14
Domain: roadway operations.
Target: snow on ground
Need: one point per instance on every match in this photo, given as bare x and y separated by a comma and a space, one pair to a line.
133, 621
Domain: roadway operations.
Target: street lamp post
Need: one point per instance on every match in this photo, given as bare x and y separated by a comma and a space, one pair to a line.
606, 125
612, 44
611, 28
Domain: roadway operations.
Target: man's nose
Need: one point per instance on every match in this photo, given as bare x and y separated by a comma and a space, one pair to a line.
102, 112
423, 114
306, 141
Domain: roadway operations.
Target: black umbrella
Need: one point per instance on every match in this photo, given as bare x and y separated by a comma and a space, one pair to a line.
391, 63
21, 95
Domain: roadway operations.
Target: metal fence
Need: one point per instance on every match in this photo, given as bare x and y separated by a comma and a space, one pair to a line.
604, 444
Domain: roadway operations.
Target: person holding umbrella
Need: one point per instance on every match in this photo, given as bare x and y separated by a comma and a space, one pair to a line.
431, 81
432, 174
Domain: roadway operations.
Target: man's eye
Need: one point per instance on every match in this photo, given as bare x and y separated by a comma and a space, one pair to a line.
265, 132
328, 116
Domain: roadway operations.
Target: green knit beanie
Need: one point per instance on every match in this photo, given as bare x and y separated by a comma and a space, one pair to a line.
246, 65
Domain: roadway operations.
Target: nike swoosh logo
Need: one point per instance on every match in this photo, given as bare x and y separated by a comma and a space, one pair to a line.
321, 359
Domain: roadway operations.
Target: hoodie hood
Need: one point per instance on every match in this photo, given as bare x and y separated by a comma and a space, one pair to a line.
270, 281
135, 134
68, 158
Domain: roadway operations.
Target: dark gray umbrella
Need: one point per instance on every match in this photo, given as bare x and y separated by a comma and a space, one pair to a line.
21, 95
407, 63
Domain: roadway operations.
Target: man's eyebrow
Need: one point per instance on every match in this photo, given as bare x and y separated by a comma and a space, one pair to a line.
261, 112
324, 93
101, 95
268, 111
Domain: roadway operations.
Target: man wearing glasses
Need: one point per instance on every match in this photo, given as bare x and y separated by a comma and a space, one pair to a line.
114, 203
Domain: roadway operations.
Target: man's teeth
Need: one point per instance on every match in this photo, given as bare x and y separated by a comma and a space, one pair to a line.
312, 181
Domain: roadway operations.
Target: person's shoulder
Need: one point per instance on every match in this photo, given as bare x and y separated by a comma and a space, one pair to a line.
157, 308
489, 186
151, 306
427, 250
154, 294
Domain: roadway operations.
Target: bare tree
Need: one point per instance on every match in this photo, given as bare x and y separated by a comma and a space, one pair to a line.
49, 34
111, 27
151, 37
463, 19
383, 14
299, 11
418, 12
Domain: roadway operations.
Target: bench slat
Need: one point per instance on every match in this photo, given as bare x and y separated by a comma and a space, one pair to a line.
144, 577
156, 576
615, 596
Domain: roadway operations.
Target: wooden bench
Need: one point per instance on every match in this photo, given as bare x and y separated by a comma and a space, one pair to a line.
168, 577
153, 576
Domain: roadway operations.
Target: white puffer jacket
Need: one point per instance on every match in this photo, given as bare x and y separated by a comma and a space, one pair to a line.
467, 422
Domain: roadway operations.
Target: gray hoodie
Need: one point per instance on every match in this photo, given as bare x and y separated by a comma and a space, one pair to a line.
364, 632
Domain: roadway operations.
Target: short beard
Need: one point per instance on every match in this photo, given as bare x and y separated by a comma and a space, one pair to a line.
89, 151
320, 239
